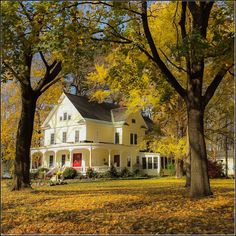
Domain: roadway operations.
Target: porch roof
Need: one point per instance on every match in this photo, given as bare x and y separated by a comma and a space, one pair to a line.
72, 146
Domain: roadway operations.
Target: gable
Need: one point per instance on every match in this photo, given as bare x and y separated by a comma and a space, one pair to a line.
64, 106
138, 119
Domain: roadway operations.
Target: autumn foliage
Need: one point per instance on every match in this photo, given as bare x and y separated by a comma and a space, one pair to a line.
150, 206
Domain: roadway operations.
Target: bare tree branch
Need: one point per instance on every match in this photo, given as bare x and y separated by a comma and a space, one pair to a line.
43, 59
169, 76
215, 83
15, 74
49, 85
177, 67
49, 76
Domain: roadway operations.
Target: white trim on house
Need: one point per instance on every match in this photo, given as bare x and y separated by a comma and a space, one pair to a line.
100, 147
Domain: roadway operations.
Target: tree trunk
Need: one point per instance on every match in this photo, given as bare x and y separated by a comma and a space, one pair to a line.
200, 185
226, 157
23, 140
188, 164
179, 168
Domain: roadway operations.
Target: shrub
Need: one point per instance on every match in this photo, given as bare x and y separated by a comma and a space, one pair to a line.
171, 169
215, 169
91, 173
39, 173
113, 172
125, 172
105, 174
69, 173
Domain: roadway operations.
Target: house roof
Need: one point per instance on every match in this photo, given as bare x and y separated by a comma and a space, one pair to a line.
101, 111
148, 122
119, 114
90, 109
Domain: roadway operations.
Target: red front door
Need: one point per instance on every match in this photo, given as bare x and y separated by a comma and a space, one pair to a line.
77, 159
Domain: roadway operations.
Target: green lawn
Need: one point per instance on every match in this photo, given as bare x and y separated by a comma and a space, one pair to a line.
118, 206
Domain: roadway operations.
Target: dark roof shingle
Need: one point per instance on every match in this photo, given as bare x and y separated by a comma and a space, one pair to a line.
90, 109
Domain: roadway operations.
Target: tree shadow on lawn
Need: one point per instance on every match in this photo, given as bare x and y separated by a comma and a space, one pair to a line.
14, 205
114, 191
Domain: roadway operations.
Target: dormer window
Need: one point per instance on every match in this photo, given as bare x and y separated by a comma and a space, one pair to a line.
133, 121
65, 116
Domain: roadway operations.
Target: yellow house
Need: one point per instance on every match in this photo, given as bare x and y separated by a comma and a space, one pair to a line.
82, 134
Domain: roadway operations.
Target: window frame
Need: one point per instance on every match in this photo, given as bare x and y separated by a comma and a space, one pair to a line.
144, 163
52, 138
64, 136
131, 139
128, 161
149, 163
51, 161
155, 163
135, 138
117, 138
65, 116
63, 156
76, 138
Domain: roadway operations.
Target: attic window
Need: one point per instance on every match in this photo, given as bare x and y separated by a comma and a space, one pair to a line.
133, 120
69, 117
65, 116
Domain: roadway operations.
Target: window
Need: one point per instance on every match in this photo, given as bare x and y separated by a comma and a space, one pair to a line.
131, 139
128, 162
64, 137
60, 118
135, 138
65, 116
137, 160
69, 117
52, 139
117, 160
63, 159
117, 138
51, 161
133, 120
144, 163
149, 163
76, 136
155, 162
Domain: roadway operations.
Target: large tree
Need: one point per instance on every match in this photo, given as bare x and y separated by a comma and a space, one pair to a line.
25, 31
37, 40
205, 39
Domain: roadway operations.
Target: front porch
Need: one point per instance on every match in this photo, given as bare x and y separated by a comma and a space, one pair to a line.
99, 156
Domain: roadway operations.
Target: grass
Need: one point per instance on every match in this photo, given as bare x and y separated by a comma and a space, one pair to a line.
145, 206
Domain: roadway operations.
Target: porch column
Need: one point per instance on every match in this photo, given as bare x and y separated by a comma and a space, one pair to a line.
158, 165
43, 156
131, 163
109, 158
90, 157
120, 153
71, 157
